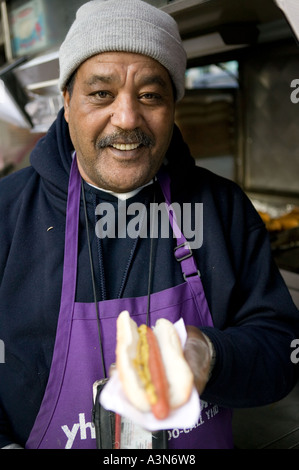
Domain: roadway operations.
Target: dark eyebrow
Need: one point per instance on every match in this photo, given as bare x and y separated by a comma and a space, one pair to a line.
94, 79
153, 79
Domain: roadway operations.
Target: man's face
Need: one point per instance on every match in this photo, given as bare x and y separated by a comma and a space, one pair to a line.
120, 117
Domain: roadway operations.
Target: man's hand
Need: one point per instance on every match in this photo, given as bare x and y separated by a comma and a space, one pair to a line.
198, 355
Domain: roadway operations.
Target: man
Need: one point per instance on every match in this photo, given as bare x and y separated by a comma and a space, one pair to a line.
68, 270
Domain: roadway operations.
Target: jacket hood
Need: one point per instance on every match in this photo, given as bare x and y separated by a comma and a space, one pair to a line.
52, 155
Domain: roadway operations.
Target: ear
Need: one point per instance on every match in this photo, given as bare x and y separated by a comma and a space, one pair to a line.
66, 98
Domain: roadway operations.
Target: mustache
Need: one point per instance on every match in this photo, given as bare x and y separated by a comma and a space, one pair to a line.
126, 137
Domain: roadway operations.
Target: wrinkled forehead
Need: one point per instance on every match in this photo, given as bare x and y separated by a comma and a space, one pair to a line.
117, 68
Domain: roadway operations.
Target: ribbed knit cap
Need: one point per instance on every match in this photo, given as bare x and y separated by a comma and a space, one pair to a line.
127, 26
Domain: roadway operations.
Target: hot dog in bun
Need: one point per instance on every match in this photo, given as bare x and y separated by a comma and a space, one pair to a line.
151, 365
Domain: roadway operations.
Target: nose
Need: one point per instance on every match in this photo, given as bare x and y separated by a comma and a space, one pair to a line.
126, 113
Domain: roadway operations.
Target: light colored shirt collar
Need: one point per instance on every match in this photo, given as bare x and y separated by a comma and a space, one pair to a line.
123, 196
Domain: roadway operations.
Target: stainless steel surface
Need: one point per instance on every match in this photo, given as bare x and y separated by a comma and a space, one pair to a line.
271, 138
197, 17
40, 70
210, 11
39, 77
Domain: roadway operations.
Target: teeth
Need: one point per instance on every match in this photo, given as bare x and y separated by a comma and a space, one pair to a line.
125, 146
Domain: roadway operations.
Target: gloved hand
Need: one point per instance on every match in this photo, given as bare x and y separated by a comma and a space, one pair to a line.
198, 353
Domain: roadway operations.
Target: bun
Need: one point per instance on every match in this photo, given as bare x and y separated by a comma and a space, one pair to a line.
178, 372
126, 347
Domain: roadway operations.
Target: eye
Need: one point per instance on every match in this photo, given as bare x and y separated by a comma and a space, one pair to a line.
151, 99
101, 97
102, 94
151, 96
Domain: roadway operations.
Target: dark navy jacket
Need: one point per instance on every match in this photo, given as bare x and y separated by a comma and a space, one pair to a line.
254, 317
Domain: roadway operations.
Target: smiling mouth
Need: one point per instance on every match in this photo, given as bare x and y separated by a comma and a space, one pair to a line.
126, 147
126, 141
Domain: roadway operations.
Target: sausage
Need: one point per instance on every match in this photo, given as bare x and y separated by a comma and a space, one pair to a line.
161, 406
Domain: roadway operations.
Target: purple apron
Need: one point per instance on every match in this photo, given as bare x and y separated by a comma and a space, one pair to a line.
65, 416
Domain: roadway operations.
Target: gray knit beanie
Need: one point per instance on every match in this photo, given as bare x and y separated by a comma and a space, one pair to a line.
128, 26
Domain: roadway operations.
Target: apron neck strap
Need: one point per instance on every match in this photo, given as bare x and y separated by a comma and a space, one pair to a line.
182, 251
71, 233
